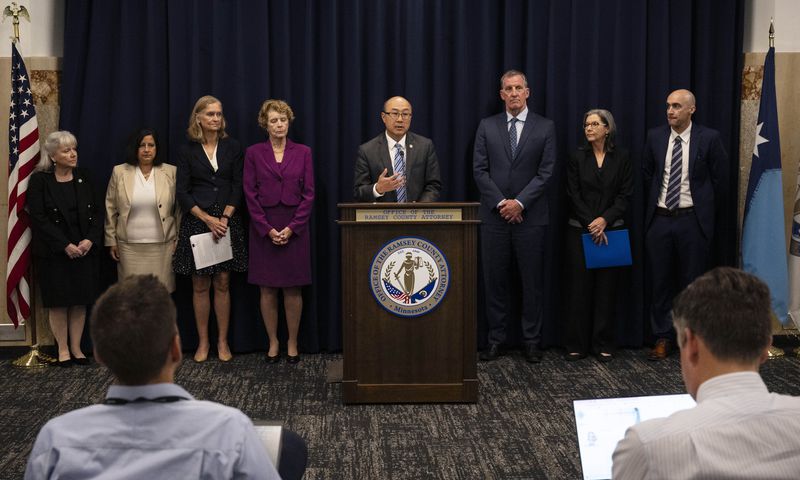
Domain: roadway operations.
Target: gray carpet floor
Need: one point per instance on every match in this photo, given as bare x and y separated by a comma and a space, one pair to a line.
521, 428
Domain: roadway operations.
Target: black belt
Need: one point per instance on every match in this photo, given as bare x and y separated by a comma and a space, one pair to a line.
665, 212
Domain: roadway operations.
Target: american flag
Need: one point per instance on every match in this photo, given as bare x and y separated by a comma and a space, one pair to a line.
396, 293
23, 155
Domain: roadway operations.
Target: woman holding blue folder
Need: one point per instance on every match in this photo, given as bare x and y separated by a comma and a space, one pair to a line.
599, 186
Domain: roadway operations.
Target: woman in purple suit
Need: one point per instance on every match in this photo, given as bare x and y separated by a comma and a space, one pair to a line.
279, 188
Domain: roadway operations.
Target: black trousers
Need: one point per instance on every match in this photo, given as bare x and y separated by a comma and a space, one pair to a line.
591, 298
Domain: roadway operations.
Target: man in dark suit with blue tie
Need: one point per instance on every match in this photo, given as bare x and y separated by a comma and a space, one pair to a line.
685, 169
397, 165
514, 156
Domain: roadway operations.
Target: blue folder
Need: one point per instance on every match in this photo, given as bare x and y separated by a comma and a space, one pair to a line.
616, 254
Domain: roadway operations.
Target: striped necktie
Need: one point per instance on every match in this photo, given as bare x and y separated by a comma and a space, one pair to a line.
400, 167
673, 197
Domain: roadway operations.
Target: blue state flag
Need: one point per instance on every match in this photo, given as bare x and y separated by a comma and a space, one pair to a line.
763, 236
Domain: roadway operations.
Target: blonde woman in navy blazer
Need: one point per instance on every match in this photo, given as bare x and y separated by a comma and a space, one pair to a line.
279, 189
147, 184
209, 189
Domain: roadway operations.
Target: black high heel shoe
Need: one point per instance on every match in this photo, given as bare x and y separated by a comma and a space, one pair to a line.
275, 359
292, 358
83, 361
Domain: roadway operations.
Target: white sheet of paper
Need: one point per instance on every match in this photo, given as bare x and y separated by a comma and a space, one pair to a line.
207, 252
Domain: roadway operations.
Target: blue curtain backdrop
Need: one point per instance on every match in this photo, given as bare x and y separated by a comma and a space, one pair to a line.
131, 63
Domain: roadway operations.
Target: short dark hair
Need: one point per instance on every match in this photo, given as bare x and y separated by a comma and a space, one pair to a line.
730, 310
132, 328
132, 150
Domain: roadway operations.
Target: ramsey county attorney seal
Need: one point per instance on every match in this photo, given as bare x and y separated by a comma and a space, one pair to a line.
409, 276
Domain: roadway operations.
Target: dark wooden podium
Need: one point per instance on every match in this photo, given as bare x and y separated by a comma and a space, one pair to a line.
400, 345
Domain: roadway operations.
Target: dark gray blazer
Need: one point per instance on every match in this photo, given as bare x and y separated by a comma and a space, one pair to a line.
423, 183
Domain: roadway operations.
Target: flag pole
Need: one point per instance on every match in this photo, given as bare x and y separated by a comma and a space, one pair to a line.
34, 358
773, 352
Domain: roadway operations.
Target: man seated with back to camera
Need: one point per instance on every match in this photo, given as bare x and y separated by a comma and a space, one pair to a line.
738, 429
148, 427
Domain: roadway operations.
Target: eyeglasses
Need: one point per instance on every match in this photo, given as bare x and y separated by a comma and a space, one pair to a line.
396, 115
593, 125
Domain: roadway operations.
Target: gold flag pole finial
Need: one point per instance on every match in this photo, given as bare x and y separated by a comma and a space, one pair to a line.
15, 11
771, 32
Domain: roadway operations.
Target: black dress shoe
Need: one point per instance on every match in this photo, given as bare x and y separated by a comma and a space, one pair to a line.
533, 354
605, 357
83, 361
491, 353
292, 358
275, 359
574, 356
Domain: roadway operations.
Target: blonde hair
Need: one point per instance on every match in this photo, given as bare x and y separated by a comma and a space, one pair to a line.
195, 131
278, 106
52, 143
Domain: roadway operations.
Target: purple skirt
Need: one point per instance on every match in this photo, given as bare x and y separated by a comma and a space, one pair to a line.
279, 266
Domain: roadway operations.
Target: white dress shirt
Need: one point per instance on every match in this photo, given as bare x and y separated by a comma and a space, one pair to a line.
737, 430
686, 193
185, 438
391, 143
521, 118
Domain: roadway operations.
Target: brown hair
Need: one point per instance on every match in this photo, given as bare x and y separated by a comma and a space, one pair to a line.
132, 328
730, 310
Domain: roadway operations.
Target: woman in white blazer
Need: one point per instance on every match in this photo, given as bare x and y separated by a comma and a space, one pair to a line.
141, 213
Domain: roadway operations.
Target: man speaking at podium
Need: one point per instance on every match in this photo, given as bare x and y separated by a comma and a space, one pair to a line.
397, 165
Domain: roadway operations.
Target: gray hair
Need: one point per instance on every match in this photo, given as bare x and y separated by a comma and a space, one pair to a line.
608, 119
513, 73
52, 143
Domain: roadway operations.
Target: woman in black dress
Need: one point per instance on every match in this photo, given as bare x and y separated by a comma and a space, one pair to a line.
67, 224
209, 189
599, 186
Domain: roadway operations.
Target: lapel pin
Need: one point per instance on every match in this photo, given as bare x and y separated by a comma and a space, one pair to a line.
80, 180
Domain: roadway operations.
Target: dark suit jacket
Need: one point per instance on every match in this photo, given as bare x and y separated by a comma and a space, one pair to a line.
524, 177
423, 183
599, 193
708, 172
51, 231
267, 184
198, 184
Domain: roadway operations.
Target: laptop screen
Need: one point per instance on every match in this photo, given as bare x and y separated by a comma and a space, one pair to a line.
271, 434
601, 423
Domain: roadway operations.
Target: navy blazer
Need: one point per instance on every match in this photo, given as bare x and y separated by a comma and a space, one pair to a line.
708, 172
524, 177
51, 230
198, 184
423, 183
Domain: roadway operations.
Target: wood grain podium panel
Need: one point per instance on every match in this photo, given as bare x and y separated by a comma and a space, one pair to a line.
391, 358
